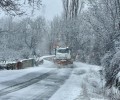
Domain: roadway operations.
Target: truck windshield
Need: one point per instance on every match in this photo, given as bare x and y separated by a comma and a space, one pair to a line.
63, 50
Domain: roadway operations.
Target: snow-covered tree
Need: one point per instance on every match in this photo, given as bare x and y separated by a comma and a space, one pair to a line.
26, 36
13, 7
104, 19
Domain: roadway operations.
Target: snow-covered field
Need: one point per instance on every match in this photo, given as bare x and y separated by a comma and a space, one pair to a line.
47, 82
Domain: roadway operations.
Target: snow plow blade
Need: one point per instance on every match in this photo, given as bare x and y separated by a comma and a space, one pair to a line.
63, 62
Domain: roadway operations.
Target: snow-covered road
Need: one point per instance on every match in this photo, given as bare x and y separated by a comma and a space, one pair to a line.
47, 82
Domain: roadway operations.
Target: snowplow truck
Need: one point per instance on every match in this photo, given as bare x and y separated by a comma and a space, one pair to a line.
63, 56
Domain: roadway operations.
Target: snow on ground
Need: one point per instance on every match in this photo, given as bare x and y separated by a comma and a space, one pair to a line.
36, 89
45, 57
84, 81
83, 84
6, 75
69, 91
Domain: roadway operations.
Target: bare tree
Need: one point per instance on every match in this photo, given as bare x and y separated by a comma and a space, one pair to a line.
72, 8
13, 7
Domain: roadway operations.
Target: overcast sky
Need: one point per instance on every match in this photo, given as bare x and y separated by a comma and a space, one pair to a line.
51, 8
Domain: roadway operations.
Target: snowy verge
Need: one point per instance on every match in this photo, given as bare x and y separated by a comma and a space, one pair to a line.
83, 84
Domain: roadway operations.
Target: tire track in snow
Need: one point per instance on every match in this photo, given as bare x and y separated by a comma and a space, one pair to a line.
25, 84
49, 88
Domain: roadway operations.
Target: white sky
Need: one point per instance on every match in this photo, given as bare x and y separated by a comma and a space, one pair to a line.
49, 9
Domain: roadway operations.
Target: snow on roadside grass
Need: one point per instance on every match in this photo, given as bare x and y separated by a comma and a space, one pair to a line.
83, 84
87, 66
91, 85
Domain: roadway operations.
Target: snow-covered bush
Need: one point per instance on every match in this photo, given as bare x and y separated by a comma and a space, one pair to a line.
117, 83
113, 93
91, 87
115, 66
111, 65
106, 61
26, 55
